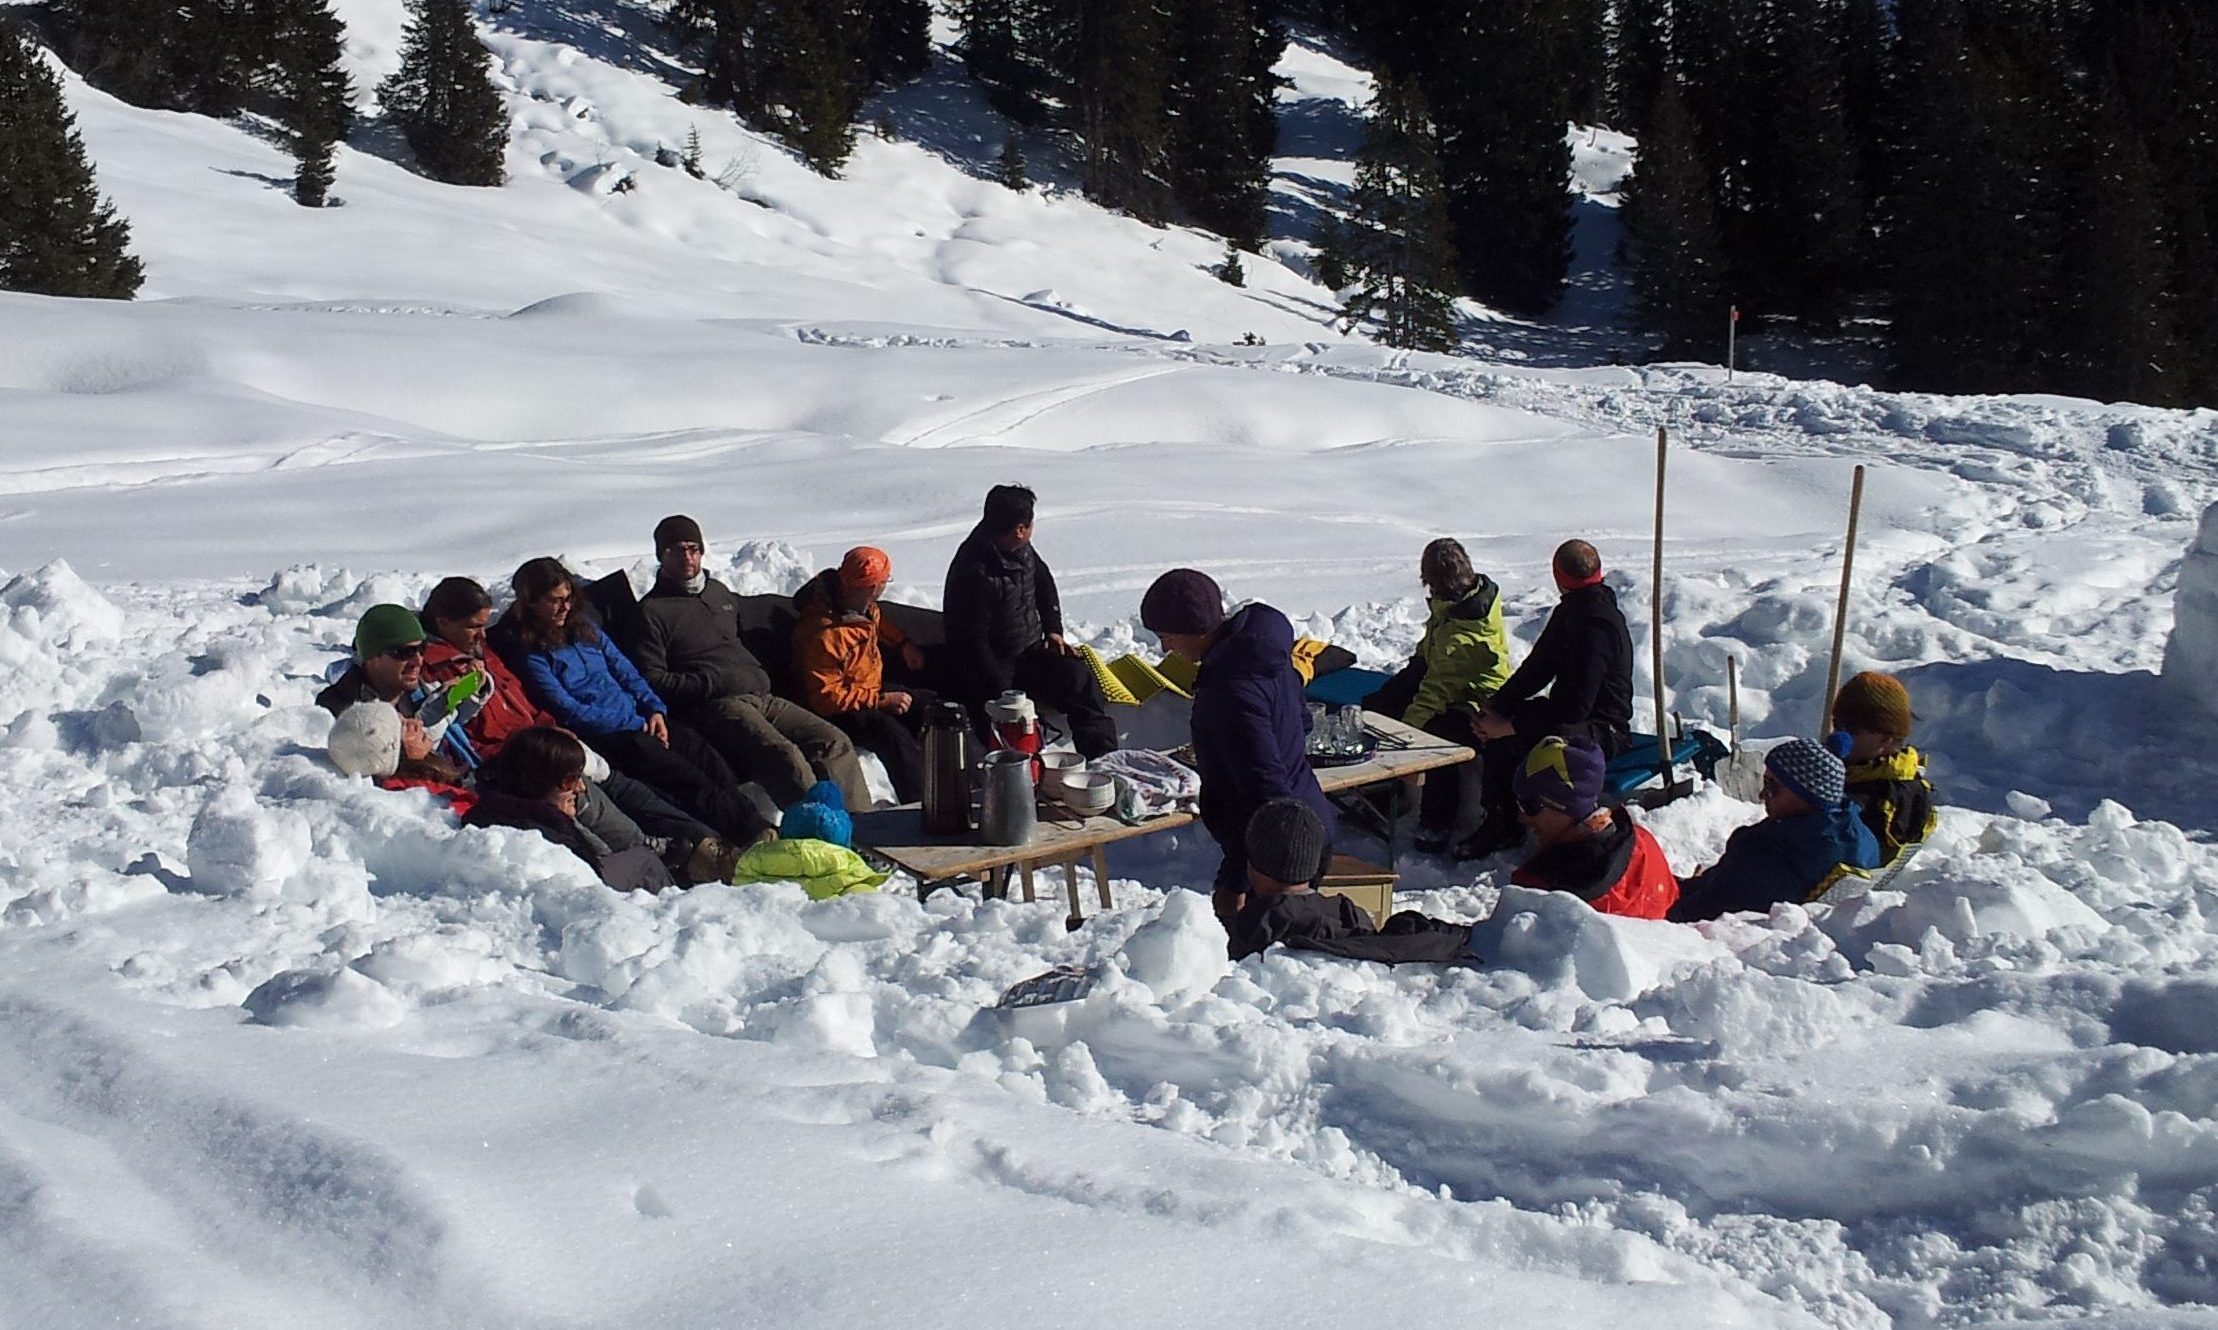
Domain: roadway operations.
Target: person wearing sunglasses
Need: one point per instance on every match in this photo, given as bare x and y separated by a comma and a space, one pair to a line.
1582, 846
388, 666
1810, 838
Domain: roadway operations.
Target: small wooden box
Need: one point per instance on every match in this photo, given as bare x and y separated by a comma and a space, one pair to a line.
1367, 884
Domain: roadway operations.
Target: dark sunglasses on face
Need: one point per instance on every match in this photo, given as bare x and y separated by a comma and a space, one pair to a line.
409, 652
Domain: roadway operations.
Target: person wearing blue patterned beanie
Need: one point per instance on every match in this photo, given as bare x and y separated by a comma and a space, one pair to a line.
1810, 838
814, 848
809, 820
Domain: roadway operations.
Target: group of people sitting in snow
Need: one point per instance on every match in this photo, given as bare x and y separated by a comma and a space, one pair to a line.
672, 756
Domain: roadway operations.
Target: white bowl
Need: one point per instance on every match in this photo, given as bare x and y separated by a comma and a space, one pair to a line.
1055, 768
1088, 792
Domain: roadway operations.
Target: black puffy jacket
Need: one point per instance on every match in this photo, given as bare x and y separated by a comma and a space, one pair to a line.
1584, 659
997, 606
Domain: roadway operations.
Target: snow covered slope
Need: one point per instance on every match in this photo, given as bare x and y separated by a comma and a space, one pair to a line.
277, 1049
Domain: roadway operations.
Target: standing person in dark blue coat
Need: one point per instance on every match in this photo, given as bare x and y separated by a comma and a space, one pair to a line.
1810, 837
1250, 721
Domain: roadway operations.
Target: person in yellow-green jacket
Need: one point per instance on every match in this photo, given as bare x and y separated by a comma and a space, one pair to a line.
813, 848
1459, 663
1886, 776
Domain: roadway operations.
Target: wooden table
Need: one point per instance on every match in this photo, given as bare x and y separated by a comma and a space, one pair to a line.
898, 834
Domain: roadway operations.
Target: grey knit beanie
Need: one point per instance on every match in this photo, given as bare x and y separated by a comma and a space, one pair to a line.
1286, 842
1804, 766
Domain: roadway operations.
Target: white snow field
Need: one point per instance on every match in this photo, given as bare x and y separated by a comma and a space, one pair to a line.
279, 1049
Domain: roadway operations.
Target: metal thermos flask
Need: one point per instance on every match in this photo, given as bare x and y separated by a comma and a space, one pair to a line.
946, 770
1006, 811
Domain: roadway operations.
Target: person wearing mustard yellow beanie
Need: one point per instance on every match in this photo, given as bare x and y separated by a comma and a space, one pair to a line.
1887, 780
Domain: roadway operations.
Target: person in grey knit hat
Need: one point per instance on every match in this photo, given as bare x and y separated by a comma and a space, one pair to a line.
1810, 838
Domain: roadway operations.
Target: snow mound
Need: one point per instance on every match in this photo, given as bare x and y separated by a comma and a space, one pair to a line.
53, 606
2191, 654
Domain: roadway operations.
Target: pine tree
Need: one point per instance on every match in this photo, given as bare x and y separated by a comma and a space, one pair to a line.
1504, 154
897, 45
1640, 47
1396, 236
175, 55
793, 68
58, 237
1115, 97
2115, 337
311, 94
1582, 55
1800, 222
444, 98
1004, 49
1671, 232
1223, 115
1231, 271
1010, 169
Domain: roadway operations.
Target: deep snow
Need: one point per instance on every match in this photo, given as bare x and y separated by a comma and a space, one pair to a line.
281, 1049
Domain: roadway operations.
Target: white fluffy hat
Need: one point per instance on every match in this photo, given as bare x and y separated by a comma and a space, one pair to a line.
365, 739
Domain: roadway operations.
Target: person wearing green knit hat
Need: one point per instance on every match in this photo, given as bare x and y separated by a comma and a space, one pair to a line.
388, 666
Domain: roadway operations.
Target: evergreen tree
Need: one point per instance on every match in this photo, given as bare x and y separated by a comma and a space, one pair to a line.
1223, 115
1799, 224
1865, 51
1004, 49
1115, 98
1503, 150
173, 55
444, 98
2115, 338
58, 237
1395, 240
1231, 271
1640, 50
1582, 29
310, 91
897, 45
1672, 239
793, 68
1010, 170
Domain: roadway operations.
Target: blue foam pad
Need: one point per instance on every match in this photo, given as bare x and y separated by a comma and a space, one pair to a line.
1347, 687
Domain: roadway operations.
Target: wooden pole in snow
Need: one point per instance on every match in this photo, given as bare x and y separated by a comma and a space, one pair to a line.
1733, 699
1655, 619
1840, 611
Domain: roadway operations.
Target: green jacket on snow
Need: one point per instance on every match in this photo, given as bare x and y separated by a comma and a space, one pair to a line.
1465, 652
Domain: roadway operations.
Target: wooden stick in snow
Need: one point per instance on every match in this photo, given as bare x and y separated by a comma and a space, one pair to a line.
1840, 611
1655, 620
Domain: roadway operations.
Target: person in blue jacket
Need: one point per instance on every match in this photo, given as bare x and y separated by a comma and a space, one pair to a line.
1250, 720
1810, 837
578, 676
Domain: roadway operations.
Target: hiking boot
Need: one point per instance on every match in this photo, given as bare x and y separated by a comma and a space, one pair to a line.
711, 861
1431, 840
1492, 837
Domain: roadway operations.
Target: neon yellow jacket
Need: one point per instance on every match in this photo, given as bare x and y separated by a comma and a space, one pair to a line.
1466, 655
822, 869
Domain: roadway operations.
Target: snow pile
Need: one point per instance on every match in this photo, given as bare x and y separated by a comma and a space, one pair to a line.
2191, 654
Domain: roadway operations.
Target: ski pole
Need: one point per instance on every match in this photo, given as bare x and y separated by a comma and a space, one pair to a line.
1655, 618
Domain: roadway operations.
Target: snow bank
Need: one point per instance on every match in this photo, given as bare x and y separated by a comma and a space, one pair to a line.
2191, 654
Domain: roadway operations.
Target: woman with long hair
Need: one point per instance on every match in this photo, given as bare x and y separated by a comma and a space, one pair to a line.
577, 675
535, 782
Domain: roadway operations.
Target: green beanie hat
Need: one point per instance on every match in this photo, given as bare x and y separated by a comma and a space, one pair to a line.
384, 627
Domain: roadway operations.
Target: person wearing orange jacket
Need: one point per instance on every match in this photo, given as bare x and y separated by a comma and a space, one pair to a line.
1581, 845
840, 643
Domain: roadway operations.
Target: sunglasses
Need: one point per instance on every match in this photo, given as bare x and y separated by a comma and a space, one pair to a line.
409, 652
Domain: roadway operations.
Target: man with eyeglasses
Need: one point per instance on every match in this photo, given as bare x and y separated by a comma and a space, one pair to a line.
388, 666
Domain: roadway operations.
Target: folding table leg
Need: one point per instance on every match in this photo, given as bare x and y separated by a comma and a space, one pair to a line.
1101, 875
1077, 917
1025, 868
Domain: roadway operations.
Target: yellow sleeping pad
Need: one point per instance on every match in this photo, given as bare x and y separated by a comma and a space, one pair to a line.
1130, 681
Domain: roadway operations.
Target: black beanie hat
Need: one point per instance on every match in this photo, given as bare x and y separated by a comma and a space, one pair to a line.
675, 530
1182, 601
1286, 842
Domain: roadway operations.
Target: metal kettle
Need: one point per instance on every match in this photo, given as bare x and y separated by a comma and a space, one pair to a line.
947, 770
1007, 814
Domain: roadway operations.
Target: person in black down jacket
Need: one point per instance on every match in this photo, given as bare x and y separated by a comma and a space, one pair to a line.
1005, 625
1286, 854
686, 644
1584, 661
1250, 721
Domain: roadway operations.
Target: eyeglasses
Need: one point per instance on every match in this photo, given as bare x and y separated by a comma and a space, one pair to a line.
557, 598
411, 651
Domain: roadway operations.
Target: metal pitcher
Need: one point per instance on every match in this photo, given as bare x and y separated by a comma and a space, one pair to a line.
947, 770
1007, 815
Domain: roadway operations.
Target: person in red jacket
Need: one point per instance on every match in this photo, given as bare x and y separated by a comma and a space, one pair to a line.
1594, 852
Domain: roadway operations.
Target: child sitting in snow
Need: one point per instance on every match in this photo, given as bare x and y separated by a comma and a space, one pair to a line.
373, 739
812, 847
1595, 853
1286, 855
1886, 777
1810, 837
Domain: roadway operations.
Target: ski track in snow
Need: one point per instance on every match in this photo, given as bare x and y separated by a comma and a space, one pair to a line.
279, 1049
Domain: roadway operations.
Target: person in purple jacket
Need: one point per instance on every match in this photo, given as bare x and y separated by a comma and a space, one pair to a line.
571, 669
1250, 720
